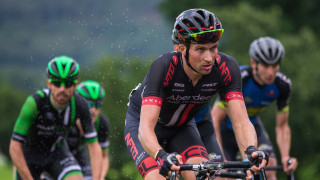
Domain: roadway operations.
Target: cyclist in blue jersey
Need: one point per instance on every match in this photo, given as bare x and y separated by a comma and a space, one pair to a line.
160, 126
38, 141
262, 84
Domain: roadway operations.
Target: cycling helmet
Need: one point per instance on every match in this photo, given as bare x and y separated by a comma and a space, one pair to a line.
91, 90
174, 38
267, 50
196, 21
63, 68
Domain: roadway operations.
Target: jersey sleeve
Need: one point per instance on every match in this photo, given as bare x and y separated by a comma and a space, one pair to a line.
284, 85
155, 78
159, 74
25, 119
231, 77
83, 112
103, 133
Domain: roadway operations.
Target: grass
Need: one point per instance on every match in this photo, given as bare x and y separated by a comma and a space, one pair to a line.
6, 172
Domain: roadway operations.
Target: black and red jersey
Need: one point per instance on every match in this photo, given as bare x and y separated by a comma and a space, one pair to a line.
167, 85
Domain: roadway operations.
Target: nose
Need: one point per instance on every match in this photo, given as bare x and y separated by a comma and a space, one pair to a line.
208, 56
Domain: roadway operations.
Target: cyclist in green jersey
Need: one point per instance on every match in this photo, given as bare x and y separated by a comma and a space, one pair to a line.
94, 93
38, 141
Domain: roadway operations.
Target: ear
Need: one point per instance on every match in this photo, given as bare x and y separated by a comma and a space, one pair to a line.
252, 62
49, 84
182, 48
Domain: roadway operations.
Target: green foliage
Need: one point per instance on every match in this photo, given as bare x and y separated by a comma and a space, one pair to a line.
118, 76
10, 104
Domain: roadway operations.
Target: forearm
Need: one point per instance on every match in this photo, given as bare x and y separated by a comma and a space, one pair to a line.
95, 159
245, 136
283, 136
19, 161
243, 128
149, 141
105, 164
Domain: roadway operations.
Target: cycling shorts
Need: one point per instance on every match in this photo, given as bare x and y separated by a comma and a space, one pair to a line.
230, 145
58, 164
184, 140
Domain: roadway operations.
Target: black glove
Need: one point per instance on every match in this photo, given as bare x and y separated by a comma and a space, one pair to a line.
261, 155
166, 160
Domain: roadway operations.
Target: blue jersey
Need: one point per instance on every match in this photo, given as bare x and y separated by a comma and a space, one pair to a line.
258, 97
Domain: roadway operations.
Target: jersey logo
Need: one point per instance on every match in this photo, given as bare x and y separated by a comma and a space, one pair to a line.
169, 75
152, 100
234, 96
270, 94
218, 59
175, 60
130, 143
225, 73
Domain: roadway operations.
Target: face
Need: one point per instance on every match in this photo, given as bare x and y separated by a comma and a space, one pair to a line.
266, 72
95, 107
60, 95
202, 56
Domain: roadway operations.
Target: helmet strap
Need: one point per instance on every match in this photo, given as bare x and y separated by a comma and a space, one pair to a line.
187, 57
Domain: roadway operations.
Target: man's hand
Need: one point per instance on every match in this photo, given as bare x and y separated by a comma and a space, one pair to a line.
289, 164
258, 158
167, 162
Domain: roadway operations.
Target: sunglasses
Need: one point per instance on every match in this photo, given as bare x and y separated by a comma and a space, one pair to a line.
59, 83
96, 104
206, 36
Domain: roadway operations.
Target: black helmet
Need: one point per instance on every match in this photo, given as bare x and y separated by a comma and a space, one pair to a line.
63, 68
267, 50
197, 26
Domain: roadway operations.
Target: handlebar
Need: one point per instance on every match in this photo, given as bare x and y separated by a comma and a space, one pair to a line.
215, 169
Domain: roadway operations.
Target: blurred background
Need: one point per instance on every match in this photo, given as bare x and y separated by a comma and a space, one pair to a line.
116, 41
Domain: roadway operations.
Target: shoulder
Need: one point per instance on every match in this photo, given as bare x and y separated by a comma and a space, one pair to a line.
283, 81
167, 58
80, 101
226, 62
246, 71
40, 95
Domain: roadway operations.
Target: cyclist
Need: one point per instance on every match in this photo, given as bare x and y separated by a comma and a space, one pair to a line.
38, 142
262, 84
205, 125
178, 85
94, 93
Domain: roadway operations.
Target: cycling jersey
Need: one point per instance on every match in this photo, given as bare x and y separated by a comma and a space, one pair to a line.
42, 129
77, 145
75, 141
168, 86
257, 97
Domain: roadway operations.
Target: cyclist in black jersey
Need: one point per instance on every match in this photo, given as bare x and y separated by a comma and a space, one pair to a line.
262, 84
205, 125
94, 93
179, 84
38, 141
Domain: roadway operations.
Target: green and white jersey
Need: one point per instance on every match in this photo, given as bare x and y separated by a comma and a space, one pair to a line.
41, 128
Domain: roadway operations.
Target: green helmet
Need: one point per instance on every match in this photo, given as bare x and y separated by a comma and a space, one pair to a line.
63, 68
91, 90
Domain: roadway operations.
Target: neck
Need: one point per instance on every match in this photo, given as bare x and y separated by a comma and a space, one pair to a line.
194, 76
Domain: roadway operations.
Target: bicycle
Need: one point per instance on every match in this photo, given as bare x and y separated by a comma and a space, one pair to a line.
216, 169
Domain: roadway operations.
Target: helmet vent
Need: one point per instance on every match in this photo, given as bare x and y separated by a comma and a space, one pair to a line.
201, 13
